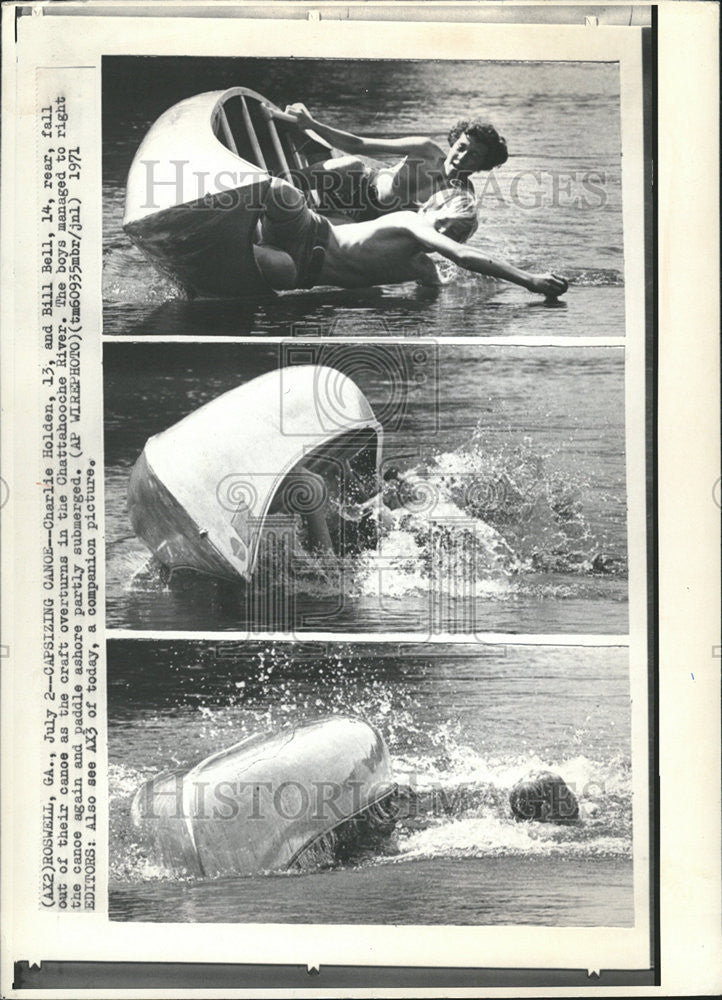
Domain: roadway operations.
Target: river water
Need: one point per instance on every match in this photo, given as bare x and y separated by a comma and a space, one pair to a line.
467, 715
555, 205
527, 441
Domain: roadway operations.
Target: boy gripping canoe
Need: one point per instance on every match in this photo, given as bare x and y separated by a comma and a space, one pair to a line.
368, 191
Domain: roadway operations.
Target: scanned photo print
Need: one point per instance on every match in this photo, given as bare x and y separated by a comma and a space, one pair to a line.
385, 487
333, 477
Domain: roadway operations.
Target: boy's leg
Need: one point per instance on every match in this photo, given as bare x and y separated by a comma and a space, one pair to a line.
284, 225
313, 508
276, 266
340, 181
285, 215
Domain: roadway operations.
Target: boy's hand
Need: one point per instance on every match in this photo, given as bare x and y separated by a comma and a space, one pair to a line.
550, 285
301, 113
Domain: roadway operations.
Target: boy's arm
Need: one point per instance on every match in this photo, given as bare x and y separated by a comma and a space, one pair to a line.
415, 145
474, 260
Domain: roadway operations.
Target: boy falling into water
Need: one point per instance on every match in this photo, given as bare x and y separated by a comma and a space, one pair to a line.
297, 248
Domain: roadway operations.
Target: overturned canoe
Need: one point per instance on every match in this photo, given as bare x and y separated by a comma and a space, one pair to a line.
196, 187
290, 447
262, 804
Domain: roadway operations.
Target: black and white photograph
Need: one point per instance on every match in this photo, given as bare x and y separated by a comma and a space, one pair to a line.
432, 441
362, 197
384, 487
356, 478
350, 783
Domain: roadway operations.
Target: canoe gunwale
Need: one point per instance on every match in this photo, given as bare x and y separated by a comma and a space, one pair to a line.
216, 109
147, 490
393, 786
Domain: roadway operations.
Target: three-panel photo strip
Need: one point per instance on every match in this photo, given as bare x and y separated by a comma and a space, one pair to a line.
375, 379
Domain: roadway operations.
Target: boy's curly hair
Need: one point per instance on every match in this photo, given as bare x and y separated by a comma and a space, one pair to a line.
486, 133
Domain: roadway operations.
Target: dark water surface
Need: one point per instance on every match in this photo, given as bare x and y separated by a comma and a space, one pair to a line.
466, 715
528, 442
555, 205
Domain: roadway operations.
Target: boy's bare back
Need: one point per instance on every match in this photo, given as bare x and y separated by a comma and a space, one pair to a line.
382, 251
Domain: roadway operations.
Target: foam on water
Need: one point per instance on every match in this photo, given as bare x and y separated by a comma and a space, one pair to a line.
463, 808
129, 277
490, 523
477, 837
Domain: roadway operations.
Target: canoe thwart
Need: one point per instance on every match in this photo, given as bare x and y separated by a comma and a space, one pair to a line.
269, 112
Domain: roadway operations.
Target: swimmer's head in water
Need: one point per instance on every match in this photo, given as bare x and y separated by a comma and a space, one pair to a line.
452, 212
483, 147
545, 797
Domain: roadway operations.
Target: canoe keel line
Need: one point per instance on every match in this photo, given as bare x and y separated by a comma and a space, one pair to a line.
271, 802
196, 187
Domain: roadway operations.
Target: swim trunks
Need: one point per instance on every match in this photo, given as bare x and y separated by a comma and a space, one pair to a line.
308, 266
366, 196
303, 234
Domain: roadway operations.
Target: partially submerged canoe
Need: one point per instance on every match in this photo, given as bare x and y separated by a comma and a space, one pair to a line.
262, 804
293, 444
196, 187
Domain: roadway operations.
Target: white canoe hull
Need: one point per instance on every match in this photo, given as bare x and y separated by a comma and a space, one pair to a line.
195, 190
202, 493
258, 805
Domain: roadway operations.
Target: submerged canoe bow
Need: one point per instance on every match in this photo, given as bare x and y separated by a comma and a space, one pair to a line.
196, 186
295, 443
259, 805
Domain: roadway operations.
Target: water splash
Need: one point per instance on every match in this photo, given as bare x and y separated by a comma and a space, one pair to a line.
486, 521
477, 520
463, 810
491, 836
129, 277
514, 490
131, 858
475, 517
453, 796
